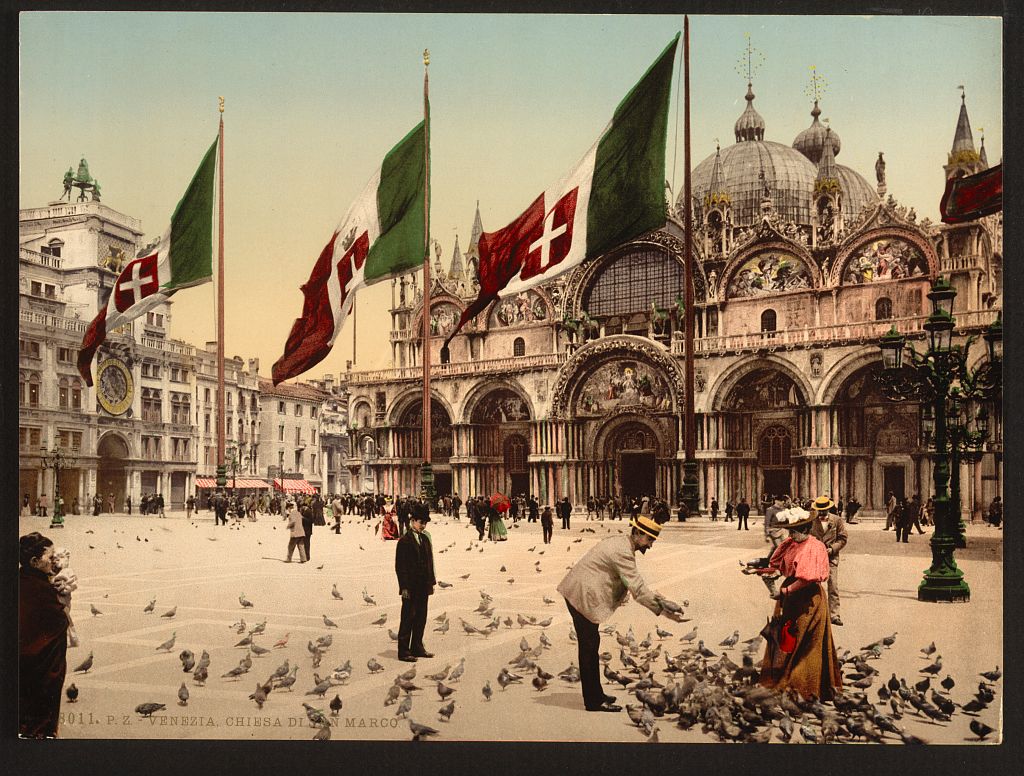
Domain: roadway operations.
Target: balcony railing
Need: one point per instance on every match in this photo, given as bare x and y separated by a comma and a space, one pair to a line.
54, 321
66, 209
168, 346
510, 363
42, 259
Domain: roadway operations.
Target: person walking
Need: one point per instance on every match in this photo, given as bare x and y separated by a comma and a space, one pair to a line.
890, 510
41, 505
914, 507
901, 522
534, 509
128, 503
852, 507
42, 640
742, 513
306, 511
564, 509
547, 523
414, 567
596, 586
24, 505
728, 510
296, 533
714, 509
772, 533
220, 509
190, 506
830, 530
995, 512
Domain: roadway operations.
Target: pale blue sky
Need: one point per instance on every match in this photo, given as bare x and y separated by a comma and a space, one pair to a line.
314, 101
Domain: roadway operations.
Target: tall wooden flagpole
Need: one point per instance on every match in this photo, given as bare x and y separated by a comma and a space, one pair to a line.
221, 469
690, 482
426, 472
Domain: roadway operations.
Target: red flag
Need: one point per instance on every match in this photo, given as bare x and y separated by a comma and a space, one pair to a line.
973, 196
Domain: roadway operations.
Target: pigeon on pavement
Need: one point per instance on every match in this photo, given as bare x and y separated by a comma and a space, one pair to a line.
170, 612
168, 645
245, 602
85, 665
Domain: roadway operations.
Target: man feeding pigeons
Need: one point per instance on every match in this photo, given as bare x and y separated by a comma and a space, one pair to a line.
596, 586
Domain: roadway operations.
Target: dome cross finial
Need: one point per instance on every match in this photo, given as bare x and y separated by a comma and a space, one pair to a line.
750, 62
817, 86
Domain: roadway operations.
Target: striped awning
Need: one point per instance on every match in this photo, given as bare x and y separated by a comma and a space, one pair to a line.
294, 486
238, 482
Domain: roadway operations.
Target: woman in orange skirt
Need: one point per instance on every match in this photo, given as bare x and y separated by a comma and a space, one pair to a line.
801, 654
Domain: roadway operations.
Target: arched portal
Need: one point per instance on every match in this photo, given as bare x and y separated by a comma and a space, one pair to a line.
498, 430
410, 426
111, 470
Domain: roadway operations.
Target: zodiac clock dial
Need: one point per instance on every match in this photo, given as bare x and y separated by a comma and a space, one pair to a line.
114, 386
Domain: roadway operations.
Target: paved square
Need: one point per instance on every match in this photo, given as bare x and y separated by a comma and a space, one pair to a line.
124, 562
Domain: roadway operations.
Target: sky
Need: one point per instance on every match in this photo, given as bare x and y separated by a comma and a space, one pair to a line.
313, 102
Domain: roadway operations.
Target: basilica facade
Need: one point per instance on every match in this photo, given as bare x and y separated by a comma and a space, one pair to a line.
575, 387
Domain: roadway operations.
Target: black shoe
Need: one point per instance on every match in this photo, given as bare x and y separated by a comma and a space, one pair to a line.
605, 707
836, 621
407, 658
423, 653
610, 699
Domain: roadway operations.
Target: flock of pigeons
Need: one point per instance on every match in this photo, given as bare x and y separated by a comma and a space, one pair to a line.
693, 687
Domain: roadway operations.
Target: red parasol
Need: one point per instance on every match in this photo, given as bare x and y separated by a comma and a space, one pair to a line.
500, 502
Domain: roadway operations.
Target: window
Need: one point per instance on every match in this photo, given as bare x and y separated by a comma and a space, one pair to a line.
29, 348
280, 458
298, 437
312, 412
298, 460
150, 369
62, 393
229, 399
206, 395
280, 408
632, 281
208, 455
180, 409
519, 347
312, 441
154, 319
151, 448
280, 433
152, 405
253, 406
53, 248
37, 288
179, 374
775, 448
312, 462
50, 291
69, 440
179, 450
298, 410
206, 422
76, 394
28, 389
28, 438
67, 355
768, 322
883, 309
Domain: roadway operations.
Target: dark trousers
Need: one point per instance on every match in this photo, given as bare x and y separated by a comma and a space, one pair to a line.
565, 521
741, 522
481, 526
547, 533
305, 540
589, 642
414, 621
902, 532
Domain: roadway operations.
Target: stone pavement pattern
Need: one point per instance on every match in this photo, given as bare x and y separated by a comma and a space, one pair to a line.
124, 562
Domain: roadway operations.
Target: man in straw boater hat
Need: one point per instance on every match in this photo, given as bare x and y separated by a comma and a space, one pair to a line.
830, 530
596, 586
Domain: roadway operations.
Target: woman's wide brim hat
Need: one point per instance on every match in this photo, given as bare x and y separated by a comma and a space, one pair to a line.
793, 518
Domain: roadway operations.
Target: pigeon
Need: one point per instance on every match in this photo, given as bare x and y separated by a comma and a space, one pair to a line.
170, 612
442, 628
320, 689
487, 691
992, 676
407, 676
394, 636
234, 673
281, 671
935, 667
72, 693
199, 675
94, 610
368, 599
168, 645
440, 675
443, 585
662, 634
323, 733
947, 683
329, 622
258, 629
923, 685
244, 642
408, 687
315, 716
927, 651
336, 704
258, 650
689, 636
286, 682
404, 707
85, 665
444, 690
441, 617
421, 731
380, 620
543, 623
980, 729
730, 641
245, 602
246, 662
334, 592
187, 662
704, 650
505, 678
148, 709
393, 692
149, 607
464, 576
540, 683
183, 695
445, 712
374, 666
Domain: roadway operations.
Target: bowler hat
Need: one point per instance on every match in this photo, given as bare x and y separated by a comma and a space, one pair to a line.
646, 525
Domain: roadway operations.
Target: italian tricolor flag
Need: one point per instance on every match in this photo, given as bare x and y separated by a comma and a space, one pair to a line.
613, 194
182, 258
381, 236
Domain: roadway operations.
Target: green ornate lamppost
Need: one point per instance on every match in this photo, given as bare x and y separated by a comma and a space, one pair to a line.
58, 460
942, 382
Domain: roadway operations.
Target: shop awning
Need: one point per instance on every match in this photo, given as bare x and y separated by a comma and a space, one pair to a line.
238, 482
294, 486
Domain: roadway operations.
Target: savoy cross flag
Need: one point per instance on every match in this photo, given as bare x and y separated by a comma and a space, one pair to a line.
613, 194
183, 257
381, 236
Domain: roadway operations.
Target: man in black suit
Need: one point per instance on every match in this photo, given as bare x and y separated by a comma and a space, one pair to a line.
742, 513
564, 509
414, 566
220, 509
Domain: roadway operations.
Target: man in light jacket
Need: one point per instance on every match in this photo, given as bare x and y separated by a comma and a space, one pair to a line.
596, 586
830, 530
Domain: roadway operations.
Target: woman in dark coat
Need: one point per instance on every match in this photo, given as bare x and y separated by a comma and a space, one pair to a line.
42, 641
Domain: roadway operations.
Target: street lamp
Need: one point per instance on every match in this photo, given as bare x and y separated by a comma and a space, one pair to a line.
232, 455
942, 382
58, 460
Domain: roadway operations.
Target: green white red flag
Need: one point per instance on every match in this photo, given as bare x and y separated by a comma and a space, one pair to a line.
182, 258
613, 194
381, 236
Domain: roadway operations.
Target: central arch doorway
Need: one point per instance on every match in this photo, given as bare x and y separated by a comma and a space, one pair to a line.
111, 471
775, 458
634, 448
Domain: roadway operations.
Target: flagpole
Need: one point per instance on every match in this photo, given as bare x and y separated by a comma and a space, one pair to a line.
221, 469
426, 472
354, 299
691, 485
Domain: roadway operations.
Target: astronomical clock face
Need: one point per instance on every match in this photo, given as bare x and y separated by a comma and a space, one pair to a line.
114, 386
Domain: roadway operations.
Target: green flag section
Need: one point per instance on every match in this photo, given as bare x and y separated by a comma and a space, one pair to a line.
183, 257
615, 193
382, 235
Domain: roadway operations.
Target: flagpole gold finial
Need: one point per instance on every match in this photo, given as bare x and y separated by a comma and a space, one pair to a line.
220, 105
426, 57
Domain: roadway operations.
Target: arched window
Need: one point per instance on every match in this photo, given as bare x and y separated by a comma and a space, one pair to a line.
76, 394
768, 322
52, 248
883, 309
515, 454
519, 347
628, 285
776, 447
62, 393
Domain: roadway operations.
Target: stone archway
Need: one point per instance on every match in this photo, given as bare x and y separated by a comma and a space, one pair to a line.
111, 470
634, 455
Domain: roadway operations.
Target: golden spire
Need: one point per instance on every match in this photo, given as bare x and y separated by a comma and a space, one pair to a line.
426, 57
750, 62
817, 86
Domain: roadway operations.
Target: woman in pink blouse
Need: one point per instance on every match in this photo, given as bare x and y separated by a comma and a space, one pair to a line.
803, 659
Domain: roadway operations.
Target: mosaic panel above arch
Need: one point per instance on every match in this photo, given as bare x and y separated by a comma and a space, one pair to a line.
443, 317
524, 307
501, 406
889, 258
769, 272
620, 384
764, 389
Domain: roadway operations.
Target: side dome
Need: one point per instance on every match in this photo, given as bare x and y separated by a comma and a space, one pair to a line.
811, 141
857, 192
